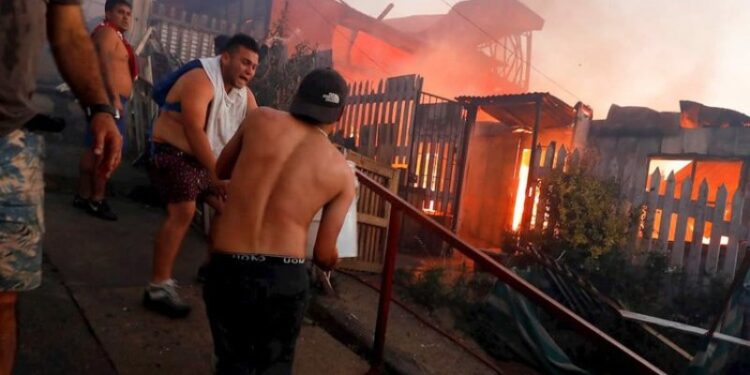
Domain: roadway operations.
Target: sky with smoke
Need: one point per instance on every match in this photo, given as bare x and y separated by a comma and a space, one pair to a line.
648, 53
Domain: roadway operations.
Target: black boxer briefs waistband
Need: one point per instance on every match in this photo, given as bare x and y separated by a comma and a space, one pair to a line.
245, 258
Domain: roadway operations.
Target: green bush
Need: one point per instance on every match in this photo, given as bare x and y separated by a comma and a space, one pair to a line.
584, 215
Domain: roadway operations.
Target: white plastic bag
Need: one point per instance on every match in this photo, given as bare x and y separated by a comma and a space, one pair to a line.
346, 243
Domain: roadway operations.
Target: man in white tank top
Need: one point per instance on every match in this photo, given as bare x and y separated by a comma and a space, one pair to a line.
201, 111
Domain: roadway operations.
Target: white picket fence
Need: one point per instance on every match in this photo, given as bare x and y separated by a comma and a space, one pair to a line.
701, 250
672, 222
547, 161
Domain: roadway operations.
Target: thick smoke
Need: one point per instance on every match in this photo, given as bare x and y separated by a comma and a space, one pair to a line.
638, 52
644, 52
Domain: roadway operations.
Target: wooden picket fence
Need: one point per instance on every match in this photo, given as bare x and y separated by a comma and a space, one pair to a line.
719, 231
395, 123
705, 235
379, 117
546, 161
373, 215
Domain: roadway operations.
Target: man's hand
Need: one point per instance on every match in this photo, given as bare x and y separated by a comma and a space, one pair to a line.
117, 104
219, 187
107, 145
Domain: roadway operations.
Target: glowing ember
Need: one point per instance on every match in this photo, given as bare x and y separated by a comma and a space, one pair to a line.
430, 209
724, 240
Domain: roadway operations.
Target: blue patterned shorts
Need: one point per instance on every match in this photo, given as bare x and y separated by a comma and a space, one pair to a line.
21, 211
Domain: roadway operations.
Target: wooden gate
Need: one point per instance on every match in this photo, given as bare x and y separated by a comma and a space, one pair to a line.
436, 154
373, 214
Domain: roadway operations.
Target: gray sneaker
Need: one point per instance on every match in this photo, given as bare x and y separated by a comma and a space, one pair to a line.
163, 299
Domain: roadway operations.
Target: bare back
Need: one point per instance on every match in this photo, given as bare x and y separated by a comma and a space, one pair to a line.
283, 172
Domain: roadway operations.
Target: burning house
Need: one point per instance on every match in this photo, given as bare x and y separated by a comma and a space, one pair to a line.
498, 170
690, 171
485, 45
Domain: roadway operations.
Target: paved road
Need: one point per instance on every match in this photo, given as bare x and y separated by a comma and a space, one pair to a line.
87, 317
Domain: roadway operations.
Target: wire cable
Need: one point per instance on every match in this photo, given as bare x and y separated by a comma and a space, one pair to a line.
485, 32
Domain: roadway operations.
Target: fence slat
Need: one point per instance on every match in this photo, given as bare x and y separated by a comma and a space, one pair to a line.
666, 213
683, 212
717, 226
575, 159
696, 245
562, 158
613, 171
537, 162
544, 170
653, 200
735, 234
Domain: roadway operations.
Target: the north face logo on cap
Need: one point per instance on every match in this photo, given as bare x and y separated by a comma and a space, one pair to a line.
332, 97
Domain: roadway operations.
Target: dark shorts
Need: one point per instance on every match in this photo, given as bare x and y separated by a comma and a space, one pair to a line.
255, 305
21, 211
177, 175
121, 123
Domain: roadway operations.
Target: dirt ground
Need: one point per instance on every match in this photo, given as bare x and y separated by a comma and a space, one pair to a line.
414, 341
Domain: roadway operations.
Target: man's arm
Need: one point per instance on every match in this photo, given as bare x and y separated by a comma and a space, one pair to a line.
106, 42
197, 94
325, 254
228, 157
230, 153
77, 62
251, 103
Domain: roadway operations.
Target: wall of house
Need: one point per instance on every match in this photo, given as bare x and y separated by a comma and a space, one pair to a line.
623, 152
490, 183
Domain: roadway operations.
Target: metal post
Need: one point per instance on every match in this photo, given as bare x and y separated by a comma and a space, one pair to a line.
386, 286
471, 118
528, 205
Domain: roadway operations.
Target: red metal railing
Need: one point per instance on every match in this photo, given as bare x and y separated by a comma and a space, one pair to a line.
400, 207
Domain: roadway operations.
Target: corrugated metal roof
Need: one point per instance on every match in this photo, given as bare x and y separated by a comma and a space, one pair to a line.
519, 110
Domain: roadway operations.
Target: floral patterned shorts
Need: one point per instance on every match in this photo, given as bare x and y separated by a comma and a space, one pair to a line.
21, 211
178, 176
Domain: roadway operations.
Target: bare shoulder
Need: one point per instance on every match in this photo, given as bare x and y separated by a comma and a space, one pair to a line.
263, 114
105, 36
263, 119
341, 169
251, 102
196, 82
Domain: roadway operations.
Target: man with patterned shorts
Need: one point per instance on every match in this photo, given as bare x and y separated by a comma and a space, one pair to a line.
22, 25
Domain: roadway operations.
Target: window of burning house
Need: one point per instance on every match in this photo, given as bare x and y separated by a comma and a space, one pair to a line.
715, 172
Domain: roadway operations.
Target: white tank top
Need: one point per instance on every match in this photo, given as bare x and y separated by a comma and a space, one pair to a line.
227, 110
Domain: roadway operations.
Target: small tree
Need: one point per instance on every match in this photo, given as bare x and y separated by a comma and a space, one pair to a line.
588, 221
279, 74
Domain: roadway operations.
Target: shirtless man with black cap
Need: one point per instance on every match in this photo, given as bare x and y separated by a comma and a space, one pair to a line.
282, 169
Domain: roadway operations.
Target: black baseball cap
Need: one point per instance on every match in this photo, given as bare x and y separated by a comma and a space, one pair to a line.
321, 97
111, 4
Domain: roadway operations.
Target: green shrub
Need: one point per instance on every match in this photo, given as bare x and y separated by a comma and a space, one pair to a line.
585, 215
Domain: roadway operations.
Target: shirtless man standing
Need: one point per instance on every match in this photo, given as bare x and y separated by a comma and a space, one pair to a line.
282, 170
119, 68
201, 110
